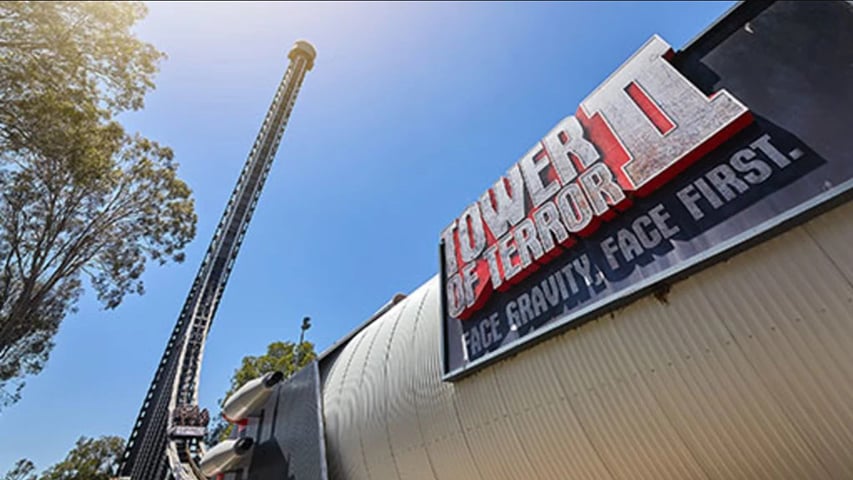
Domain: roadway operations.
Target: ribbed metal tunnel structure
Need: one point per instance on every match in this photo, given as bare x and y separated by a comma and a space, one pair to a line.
743, 370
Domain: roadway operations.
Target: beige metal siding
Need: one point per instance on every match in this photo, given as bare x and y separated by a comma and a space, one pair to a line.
744, 370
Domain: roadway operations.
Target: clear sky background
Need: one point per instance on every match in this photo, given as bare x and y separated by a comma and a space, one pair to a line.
411, 112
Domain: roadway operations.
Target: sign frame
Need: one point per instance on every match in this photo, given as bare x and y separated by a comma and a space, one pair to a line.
723, 251
743, 238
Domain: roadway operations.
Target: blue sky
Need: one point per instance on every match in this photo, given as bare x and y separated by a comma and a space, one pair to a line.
411, 111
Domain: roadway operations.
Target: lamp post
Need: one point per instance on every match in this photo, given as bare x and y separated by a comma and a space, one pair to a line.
306, 324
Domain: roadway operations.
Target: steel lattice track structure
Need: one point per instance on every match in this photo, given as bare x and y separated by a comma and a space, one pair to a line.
151, 453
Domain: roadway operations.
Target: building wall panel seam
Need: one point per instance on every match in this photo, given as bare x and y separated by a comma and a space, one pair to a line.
418, 320
530, 466
747, 354
386, 394
364, 389
335, 412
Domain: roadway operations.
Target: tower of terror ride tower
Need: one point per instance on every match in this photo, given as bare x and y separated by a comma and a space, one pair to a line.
166, 438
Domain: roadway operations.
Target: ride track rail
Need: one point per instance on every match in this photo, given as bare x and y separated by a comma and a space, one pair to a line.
155, 450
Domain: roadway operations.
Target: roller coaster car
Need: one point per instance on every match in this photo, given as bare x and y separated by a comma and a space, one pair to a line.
188, 421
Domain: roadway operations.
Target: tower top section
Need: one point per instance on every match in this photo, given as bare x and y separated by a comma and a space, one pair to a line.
304, 49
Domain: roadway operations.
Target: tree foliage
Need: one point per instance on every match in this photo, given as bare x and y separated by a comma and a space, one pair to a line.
23, 470
81, 199
280, 356
90, 459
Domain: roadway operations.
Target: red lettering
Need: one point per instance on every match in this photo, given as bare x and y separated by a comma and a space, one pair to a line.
633, 134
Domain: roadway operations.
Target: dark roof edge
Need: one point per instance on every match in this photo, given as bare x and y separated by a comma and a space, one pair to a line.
726, 24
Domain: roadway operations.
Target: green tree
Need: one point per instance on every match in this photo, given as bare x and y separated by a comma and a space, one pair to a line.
23, 470
90, 459
80, 198
281, 356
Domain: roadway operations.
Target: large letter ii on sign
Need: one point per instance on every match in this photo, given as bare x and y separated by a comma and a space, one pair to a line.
635, 132
662, 121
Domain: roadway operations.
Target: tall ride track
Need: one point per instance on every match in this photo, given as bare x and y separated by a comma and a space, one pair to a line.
159, 448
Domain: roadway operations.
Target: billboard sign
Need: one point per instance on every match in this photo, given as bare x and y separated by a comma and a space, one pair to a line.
651, 176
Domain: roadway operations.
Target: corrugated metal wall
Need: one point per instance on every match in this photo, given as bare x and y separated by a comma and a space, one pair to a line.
744, 370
